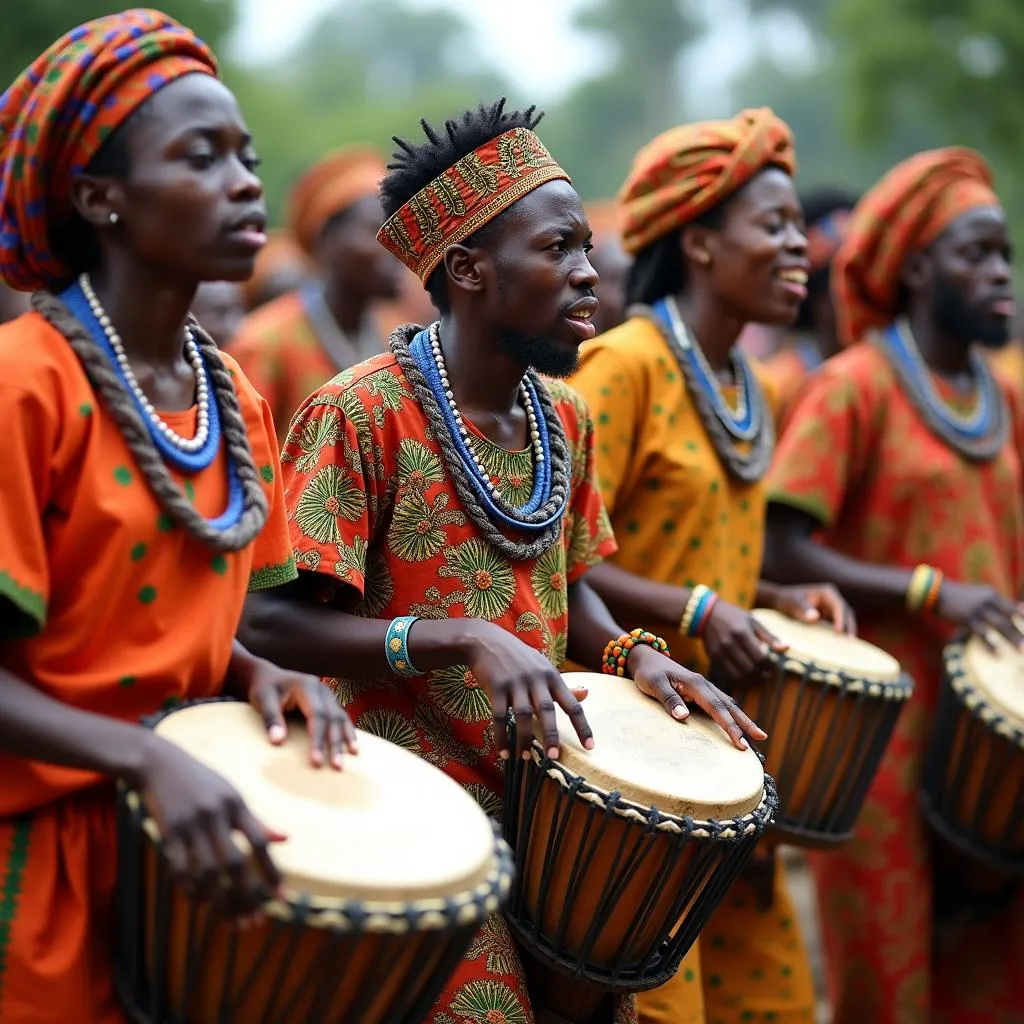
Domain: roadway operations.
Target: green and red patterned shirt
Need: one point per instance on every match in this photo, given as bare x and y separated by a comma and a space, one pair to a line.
373, 511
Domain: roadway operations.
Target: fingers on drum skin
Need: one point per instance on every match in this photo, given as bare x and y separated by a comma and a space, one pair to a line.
671, 700
569, 701
259, 839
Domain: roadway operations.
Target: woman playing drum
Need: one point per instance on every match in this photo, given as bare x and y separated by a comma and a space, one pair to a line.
128, 536
899, 478
711, 213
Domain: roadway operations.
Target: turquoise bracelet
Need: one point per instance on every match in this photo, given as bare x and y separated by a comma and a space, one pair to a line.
396, 646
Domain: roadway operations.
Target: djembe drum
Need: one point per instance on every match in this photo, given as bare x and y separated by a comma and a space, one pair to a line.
390, 867
829, 705
973, 786
623, 852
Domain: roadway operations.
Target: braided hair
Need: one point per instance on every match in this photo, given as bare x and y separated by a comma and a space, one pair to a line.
415, 165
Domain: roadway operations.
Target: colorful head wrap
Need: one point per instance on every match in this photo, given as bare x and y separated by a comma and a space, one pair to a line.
688, 170
906, 211
825, 236
329, 187
467, 196
60, 110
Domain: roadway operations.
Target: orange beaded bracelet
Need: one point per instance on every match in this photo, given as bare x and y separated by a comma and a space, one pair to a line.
616, 652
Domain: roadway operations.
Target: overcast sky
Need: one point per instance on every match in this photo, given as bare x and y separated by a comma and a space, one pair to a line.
537, 47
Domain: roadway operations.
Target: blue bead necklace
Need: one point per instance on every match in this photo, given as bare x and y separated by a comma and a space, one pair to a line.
188, 456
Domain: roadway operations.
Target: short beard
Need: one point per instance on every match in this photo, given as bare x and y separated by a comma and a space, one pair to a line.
964, 321
539, 352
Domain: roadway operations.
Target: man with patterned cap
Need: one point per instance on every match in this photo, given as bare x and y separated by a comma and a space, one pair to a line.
899, 479
443, 493
295, 343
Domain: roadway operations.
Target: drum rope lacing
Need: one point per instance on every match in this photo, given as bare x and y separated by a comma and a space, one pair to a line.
728, 829
975, 700
339, 914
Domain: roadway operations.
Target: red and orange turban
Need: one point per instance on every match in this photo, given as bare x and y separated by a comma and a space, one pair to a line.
470, 194
689, 170
57, 114
330, 187
906, 211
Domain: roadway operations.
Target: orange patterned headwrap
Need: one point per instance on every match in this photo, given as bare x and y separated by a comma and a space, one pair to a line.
56, 115
467, 196
688, 170
906, 211
329, 187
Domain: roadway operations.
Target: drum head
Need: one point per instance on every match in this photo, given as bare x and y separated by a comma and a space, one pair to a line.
686, 769
997, 676
820, 645
388, 827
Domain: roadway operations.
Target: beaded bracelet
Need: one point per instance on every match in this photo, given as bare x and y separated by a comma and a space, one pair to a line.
924, 589
697, 612
396, 646
613, 661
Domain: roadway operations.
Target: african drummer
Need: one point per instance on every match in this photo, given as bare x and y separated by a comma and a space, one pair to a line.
442, 505
125, 553
899, 479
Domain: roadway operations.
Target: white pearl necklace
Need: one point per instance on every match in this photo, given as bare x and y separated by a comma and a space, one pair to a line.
531, 414
183, 444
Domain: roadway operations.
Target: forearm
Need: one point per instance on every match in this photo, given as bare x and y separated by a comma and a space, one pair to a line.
34, 725
638, 601
867, 587
591, 625
325, 641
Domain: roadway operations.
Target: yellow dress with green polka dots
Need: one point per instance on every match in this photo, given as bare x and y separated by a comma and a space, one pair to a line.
680, 518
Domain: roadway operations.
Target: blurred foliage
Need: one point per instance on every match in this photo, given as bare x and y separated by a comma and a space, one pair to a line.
885, 78
27, 27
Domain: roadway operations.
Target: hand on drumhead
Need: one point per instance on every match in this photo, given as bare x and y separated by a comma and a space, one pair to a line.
661, 678
520, 679
815, 602
737, 644
983, 610
197, 811
273, 691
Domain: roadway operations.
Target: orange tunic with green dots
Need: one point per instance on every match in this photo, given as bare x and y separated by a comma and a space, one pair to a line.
107, 606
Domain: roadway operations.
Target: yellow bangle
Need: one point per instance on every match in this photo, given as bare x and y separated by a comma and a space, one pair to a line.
923, 589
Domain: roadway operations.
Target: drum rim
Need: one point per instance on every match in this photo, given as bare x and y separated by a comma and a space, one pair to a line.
359, 916
898, 689
726, 829
977, 701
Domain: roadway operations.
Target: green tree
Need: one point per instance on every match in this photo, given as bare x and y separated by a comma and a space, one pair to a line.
29, 27
599, 126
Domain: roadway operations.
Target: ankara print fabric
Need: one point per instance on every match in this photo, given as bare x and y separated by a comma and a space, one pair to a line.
373, 512
856, 455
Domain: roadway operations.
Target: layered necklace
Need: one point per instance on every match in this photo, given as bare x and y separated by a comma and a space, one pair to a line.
421, 357
979, 434
744, 436
186, 455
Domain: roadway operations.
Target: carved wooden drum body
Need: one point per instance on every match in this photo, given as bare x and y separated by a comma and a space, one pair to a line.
829, 705
623, 852
389, 868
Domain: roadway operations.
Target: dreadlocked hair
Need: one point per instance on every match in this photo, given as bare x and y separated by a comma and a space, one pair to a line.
415, 165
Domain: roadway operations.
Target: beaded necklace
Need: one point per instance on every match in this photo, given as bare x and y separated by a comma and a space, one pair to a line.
488, 509
187, 455
979, 434
744, 439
